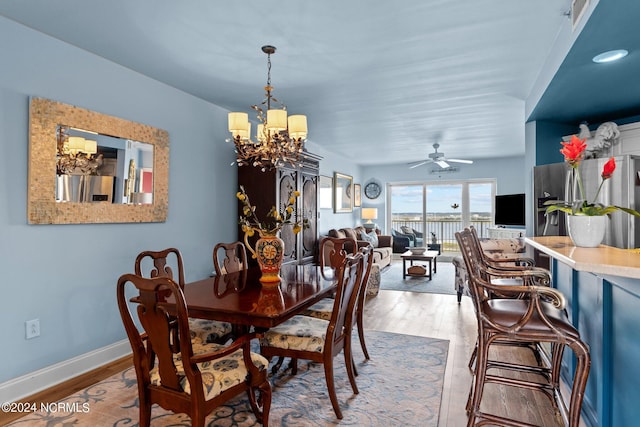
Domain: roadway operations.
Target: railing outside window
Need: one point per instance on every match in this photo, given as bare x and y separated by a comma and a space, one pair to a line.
444, 230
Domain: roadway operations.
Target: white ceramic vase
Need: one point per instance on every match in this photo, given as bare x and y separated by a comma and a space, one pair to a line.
587, 231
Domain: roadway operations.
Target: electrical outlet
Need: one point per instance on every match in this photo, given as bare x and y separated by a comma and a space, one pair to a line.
32, 328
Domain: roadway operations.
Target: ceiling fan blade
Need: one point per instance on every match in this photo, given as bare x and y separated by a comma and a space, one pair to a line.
460, 161
442, 163
415, 165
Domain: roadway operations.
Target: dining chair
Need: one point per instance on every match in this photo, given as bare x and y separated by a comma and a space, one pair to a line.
332, 251
533, 314
181, 374
319, 340
324, 307
162, 264
229, 257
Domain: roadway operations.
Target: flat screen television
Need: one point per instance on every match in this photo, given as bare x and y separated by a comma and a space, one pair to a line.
510, 210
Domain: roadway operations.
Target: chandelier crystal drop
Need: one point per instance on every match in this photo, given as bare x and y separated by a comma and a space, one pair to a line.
279, 139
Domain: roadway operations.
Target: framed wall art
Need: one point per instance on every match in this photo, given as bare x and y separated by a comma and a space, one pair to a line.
342, 192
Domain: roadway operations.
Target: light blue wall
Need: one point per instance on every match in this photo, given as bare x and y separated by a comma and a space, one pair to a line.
330, 164
509, 172
65, 275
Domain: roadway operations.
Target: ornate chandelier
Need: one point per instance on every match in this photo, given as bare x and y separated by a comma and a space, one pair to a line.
76, 155
279, 139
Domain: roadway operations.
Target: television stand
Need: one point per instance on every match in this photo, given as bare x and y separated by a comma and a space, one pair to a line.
505, 233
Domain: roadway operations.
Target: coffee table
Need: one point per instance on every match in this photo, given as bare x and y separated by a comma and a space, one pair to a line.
425, 256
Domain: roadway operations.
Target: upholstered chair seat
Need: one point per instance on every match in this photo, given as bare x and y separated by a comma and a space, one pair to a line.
302, 333
373, 284
217, 375
209, 331
321, 310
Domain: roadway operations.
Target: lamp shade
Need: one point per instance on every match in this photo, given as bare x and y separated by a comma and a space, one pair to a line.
76, 143
369, 214
277, 119
298, 126
238, 122
90, 146
244, 133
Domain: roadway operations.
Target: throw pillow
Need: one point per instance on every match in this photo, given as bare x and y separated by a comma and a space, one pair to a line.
370, 237
350, 232
337, 233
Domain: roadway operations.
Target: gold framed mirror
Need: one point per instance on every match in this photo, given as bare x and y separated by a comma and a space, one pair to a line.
141, 194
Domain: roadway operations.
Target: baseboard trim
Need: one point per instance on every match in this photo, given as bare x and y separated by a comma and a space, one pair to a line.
33, 382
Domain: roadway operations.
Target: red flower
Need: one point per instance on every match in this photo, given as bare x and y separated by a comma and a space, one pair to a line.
608, 168
573, 151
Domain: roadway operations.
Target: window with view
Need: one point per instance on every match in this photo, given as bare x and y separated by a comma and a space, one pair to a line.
433, 212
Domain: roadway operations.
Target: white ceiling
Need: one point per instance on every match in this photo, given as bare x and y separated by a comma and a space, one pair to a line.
380, 81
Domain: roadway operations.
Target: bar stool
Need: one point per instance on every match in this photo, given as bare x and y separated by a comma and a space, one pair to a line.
534, 314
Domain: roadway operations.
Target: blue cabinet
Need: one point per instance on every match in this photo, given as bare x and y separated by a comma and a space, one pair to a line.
606, 310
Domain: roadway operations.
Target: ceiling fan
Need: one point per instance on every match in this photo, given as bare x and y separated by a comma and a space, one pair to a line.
438, 158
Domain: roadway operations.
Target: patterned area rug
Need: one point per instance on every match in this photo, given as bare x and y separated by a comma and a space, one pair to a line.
400, 386
442, 282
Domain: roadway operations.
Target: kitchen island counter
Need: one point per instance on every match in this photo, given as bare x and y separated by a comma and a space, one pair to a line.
602, 289
603, 260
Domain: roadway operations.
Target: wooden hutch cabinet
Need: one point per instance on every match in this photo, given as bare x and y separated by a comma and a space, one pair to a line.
271, 187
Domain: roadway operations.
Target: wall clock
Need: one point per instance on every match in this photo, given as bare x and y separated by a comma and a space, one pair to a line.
372, 190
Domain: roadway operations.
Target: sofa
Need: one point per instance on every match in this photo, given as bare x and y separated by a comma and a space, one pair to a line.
382, 252
496, 249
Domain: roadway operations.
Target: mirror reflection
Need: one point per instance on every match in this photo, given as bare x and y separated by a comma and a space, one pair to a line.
93, 167
89, 167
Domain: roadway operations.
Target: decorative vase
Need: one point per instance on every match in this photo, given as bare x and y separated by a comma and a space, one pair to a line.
269, 252
587, 231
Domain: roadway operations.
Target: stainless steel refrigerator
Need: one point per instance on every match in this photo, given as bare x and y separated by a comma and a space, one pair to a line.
552, 182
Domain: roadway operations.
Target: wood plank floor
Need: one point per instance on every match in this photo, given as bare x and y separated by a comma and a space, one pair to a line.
440, 316
421, 314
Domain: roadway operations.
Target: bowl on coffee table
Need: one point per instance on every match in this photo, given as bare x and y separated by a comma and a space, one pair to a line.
417, 250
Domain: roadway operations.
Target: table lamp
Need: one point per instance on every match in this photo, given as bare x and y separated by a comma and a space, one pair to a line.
369, 214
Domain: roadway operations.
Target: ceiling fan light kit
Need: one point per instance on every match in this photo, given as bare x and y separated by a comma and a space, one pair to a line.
439, 159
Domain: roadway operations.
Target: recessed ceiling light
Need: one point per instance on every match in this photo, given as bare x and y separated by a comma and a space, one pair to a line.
610, 56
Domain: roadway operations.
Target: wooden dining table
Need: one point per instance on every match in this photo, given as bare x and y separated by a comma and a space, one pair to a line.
241, 299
